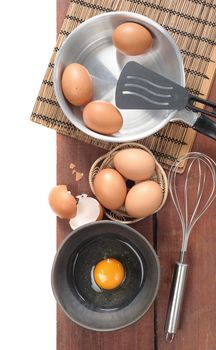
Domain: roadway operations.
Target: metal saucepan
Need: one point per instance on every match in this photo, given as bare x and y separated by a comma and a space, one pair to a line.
91, 44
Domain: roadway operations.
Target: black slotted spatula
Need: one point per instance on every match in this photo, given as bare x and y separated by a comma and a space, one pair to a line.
141, 88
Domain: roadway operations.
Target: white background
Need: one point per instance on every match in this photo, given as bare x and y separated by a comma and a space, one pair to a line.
27, 172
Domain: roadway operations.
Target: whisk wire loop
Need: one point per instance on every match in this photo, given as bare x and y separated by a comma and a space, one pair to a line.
191, 204
205, 166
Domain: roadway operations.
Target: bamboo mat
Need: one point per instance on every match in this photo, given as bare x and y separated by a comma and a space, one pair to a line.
190, 22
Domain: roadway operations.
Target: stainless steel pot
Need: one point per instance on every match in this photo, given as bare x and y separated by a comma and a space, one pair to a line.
91, 45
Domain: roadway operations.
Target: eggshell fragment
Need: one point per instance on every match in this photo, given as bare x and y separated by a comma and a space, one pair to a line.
134, 164
102, 117
79, 176
88, 210
143, 199
77, 84
62, 202
72, 166
110, 188
132, 39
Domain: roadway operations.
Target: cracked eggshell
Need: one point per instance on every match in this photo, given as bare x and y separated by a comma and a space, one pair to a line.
62, 202
88, 210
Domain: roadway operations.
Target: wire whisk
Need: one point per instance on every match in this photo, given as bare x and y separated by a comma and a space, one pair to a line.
190, 206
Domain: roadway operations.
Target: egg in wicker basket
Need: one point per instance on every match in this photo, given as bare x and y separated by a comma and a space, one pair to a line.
106, 161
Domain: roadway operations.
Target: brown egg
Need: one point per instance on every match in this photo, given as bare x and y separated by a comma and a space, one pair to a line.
77, 84
110, 188
143, 199
134, 164
102, 117
62, 202
132, 39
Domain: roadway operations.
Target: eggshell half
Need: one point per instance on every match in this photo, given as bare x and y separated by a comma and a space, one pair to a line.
62, 202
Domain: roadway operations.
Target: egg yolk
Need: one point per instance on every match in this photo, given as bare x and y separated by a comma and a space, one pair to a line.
109, 273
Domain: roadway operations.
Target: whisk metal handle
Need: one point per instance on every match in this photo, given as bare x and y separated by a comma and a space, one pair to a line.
175, 300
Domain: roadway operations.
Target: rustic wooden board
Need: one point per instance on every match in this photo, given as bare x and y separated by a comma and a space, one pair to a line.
198, 322
197, 328
70, 336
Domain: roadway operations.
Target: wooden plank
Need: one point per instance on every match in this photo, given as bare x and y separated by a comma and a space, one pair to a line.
197, 328
70, 336
199, 317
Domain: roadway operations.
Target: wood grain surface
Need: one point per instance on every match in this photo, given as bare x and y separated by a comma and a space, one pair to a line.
197, 331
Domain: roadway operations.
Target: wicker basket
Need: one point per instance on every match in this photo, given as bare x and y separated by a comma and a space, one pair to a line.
106, 161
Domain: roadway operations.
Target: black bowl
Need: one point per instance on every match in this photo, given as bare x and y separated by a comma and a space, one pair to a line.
74, 287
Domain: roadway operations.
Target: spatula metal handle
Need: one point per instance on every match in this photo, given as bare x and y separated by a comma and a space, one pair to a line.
175, 300
194, 99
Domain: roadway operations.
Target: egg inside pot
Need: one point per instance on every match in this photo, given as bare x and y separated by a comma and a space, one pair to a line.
132, 38
102, 117
77, 84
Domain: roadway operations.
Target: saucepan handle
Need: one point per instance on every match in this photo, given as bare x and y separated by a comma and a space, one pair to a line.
205, 126
202, 124
194, 99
